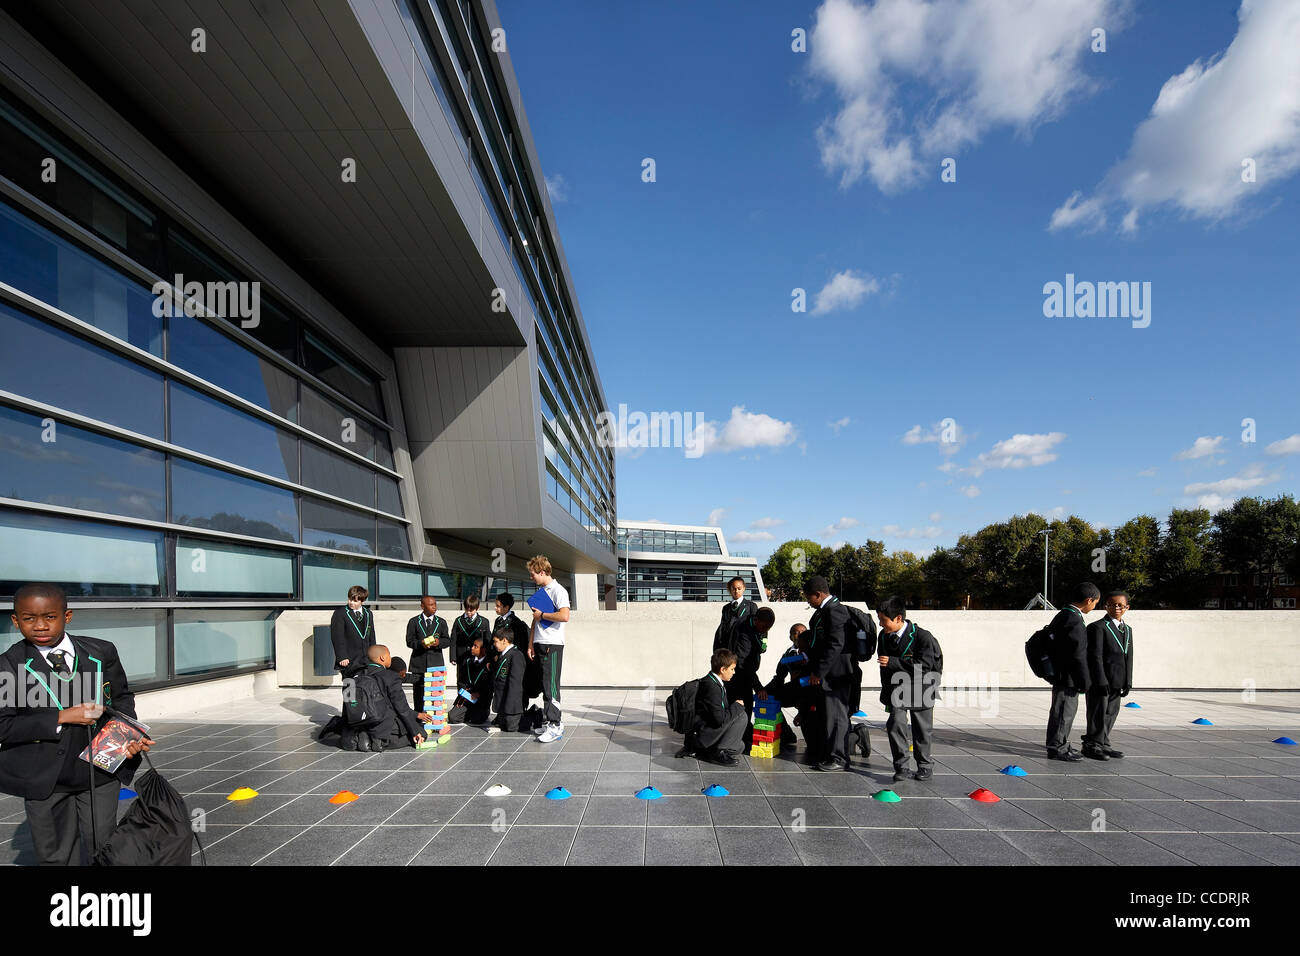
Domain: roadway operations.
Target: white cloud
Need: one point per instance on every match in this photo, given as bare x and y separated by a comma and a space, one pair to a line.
558, 188
1206, 121
964, 67
743, 430
767, 523
716, 516
948, 467
1285, 446
970, 491
1018, 451
1147, 473
1077, 211
846, 290
842, 525
1214, 502
897, 531
1205, 445
1252, 476
935, 516
835, 426
752, 536
947, 434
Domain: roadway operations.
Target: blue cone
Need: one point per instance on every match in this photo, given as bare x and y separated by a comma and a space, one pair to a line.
861, 713
558, 793
648, 793
1285, 741
713, 790
1134, 704
126, 793
1203, 722
1013, 770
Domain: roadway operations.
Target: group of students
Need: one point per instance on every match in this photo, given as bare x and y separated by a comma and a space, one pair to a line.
498, 669
820, 677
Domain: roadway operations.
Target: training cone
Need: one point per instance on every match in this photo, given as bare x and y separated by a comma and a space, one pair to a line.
984, 795
126, 793
1284, 741
1014, 770
713, 790
558, 793
1203, 722
648, 793
861, 713
1134, 704
497, 790
887, 796
344, 796
243, 793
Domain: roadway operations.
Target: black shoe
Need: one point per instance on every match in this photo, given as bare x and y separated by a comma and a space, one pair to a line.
789, 738
363, 743
685, 752
924, 773
378, 744
1113, 754
832, 765
1069, 756
724, 758
900, 776
348, 742
1095, 753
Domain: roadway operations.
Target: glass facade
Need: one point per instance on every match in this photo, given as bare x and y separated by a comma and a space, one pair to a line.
668, 542
680, 582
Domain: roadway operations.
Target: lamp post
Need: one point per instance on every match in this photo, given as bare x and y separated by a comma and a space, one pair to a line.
1047, 534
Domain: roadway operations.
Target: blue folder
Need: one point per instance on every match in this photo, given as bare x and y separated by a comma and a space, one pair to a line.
541, 601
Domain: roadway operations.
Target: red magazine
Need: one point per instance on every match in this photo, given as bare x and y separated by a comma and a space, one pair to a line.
110, 743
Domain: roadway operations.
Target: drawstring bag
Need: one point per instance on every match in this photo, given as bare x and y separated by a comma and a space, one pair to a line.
156, 829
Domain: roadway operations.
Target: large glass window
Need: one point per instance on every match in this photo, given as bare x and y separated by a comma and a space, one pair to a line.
203, 350
63, 275
444, 584
325, 525
53, 366
213, 640
343, 427
393, 542
400, 582
219, 568
84, 558
390, 499
337, 475
58, 464
327, 577
329, 365
214, 428
207, 498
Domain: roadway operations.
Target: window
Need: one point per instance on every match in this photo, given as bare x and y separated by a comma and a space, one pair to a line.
337, 475
443, 584
139, 635
203, 350
328, 364
400, 582
390, 499
218, 568
84, 558
1284, 604
334, 423
214, 428
207, 498
60, 274
60, 464
1284, 580
325, 525
393, 541
327, 577
213, 640
53, 366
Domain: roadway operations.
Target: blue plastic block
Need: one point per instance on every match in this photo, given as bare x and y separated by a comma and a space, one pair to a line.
794, 659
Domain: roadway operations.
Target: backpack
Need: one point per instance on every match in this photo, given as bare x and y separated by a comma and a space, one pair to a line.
680, 706
155, 831
364, 702
534, 716
864, 647
1039, 649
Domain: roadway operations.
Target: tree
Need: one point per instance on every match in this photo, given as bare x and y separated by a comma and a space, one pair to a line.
902, 573
947, 580
1184, 561
1073, 543
1130, 557
1257, 537
793, 563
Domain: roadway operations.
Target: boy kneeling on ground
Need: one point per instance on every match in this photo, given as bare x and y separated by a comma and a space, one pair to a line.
719, 726
393, 726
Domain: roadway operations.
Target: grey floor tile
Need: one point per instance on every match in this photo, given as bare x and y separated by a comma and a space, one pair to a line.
574, 781
412, 781
248, 844
614, 760
369, 810
358, 781
978, 848
620, 782
1003, 815
755, 846
459, 846
304, 811
388, 846
805, 811
866, 812
531, 761
680, 784
1201, 817
741, 812
786, 784
1065, 814
1054, 849
1125, 815
685, 811
665, 846
490, 811
608, 846
568, 761
1205, 850
534, 846
1274, 816
831, 846
539, 811
619, 810
432, 809
1129, 849
1275, 849
466, 782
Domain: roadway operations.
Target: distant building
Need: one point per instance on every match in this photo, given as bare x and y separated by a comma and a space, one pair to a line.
674, 562
1247, 592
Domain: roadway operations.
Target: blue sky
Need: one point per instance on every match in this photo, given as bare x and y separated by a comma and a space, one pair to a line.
777, 170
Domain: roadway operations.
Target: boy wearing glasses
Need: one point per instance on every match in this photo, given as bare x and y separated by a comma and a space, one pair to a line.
1110, 667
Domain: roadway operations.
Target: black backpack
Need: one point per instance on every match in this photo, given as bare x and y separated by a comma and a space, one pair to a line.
364, 702
681, 707
1039, 650
862, 648
155, 831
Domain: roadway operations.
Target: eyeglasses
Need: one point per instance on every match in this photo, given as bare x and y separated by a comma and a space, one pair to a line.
1118, 607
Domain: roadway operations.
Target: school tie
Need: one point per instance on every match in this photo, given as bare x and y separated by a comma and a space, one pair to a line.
58, 662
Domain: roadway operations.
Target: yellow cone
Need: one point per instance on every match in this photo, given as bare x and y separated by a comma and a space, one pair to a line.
243, 793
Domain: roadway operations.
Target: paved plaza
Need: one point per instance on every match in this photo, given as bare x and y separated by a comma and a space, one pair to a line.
1183, 795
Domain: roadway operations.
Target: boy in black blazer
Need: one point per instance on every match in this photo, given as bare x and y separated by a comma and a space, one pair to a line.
352, 631
468, 626
911, 665
507, 682
519, 637
832, 676
62, 684
1070, 662
739, 608
720, 725
402, 726
1110, 673
478, 684
426, 636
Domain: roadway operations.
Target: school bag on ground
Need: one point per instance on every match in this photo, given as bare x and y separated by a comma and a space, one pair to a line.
155, 831
680, 706
862, 644
364, 702
1038, 650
